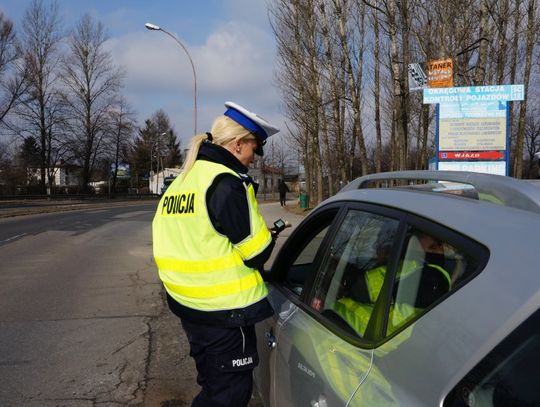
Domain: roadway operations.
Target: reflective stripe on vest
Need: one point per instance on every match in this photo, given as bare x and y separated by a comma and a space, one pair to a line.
375, 277
199, 267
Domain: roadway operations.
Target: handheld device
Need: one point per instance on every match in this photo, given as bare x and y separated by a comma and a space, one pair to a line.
279, 225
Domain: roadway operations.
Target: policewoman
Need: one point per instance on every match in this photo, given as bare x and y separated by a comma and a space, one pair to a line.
209, 240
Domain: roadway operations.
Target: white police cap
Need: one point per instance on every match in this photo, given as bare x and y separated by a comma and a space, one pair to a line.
251, 121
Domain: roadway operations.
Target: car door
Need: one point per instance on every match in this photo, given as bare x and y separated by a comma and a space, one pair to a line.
285, 290
320, 355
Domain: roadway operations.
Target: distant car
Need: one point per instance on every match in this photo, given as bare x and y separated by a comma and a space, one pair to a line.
166, 182
408, 295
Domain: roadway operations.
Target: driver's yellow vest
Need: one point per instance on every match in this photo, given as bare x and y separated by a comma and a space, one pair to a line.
199, 267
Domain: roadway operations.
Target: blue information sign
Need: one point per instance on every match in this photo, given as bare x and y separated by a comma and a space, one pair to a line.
478, 94
472, 126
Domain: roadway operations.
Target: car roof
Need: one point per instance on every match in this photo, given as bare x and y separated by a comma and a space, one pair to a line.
497, 189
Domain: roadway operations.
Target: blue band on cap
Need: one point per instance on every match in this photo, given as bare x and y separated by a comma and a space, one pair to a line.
246, 122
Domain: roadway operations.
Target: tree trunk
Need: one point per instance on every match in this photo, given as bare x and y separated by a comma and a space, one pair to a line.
502, 41
480, 71
513, 74
531, 31
377, 92
404, 85
398, 113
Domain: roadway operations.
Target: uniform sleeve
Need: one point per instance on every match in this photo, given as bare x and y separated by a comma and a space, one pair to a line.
228, 209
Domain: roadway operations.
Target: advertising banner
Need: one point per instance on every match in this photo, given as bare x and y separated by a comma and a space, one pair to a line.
440, 73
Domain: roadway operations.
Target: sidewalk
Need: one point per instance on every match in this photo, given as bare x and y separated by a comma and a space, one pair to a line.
271, 212
13, 208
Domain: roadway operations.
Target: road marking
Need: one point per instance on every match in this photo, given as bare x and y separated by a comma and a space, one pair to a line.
131, 214
13, 238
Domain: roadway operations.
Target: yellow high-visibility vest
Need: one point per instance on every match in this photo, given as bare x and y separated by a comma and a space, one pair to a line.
358, 314
199, 267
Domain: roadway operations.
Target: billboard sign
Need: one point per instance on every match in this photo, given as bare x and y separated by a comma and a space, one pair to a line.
472, 126
123, 171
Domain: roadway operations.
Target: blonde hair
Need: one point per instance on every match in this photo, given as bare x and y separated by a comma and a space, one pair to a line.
224, 131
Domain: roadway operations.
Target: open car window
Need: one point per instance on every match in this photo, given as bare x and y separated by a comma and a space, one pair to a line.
296, 263
302, 266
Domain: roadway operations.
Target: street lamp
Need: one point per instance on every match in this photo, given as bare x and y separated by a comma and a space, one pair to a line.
154, 27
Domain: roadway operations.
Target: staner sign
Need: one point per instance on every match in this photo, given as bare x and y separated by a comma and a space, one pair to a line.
440, 73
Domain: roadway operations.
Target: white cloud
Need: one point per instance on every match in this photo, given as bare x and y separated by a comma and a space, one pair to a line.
236, 63
236, 57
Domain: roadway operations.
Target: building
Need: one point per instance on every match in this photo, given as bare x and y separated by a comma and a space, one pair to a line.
268, 178
155, 182
64, 175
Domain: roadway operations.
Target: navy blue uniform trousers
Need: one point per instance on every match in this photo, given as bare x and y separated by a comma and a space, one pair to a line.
225, 359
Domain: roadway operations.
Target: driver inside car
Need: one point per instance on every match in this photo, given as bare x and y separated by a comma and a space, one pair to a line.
421, 280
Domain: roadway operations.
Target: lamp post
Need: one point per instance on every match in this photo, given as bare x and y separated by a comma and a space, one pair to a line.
155, 27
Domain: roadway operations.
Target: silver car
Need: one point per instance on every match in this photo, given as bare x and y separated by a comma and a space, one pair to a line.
409, 295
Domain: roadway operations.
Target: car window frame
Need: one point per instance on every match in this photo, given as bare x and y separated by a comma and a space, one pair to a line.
407, 220
283, 261
347, 206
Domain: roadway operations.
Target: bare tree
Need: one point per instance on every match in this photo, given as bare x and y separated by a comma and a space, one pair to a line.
41, 113
120, 129
280, 156
292, 22
12, 73
333, 60
353, 59
321, 65
91, 82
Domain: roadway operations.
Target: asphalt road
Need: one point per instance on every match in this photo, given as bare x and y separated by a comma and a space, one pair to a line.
82, 316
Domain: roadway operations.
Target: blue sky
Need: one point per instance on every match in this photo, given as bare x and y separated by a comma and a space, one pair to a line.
230, 42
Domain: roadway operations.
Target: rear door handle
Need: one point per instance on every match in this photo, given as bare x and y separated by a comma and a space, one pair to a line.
321, 402
270, 339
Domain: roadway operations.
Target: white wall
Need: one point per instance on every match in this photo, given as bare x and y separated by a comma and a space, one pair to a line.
156, 181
